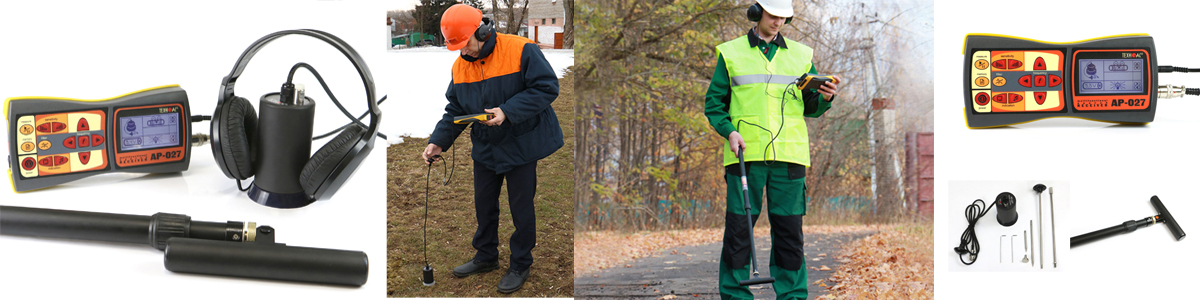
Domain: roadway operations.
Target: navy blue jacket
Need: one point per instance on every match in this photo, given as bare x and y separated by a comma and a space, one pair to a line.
512, 74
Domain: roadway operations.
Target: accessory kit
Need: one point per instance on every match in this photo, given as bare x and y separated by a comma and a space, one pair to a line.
1006, 215
1011, 80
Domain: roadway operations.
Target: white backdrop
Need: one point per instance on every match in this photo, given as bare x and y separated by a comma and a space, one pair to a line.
100, 49
1113, 170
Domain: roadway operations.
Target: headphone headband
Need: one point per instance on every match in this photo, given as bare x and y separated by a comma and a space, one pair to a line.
227, 84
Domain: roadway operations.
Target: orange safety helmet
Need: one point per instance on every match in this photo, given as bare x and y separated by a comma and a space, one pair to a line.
459, 23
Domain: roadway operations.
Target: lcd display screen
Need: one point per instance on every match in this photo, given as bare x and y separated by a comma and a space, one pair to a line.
1111, 76
149, 131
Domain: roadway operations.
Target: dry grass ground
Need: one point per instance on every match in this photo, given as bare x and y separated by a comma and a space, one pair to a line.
452, 220
894, 264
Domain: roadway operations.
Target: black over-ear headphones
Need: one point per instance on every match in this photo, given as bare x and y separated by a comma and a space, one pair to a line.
234, 130
485, 30
755, 12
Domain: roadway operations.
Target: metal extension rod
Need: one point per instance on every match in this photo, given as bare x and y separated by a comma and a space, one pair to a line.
1053, 240
1041, 242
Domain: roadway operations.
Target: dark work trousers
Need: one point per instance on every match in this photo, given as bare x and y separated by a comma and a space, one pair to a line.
522, 186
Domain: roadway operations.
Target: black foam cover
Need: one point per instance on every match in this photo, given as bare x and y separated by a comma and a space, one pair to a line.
239, 126
322, 163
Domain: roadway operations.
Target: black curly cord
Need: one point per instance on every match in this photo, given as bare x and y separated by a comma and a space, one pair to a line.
968, 242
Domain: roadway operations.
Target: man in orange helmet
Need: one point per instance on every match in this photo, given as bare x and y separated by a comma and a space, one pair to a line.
507, 76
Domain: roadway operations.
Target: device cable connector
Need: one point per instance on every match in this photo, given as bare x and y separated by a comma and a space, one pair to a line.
1167, 91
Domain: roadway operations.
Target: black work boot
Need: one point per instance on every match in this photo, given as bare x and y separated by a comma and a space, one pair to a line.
474, 267
512, 281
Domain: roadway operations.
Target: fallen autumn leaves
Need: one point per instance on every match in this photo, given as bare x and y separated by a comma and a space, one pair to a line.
894, 264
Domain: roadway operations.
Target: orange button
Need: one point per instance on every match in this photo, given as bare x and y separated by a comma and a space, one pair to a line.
44, 145
26, 129
26, 146
999, 81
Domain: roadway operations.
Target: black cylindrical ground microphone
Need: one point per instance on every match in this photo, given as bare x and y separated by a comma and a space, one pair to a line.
1006, 209
427, 275
283, 147
267, 261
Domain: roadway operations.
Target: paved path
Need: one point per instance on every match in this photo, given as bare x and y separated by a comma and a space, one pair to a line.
690, 272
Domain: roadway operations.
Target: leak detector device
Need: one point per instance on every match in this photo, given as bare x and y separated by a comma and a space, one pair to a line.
814, 81
58, 140
473, 118
1009, 80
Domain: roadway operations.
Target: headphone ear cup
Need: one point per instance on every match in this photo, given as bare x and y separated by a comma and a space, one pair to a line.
484, 31
788, 21
322, 163
754, 13
238, 129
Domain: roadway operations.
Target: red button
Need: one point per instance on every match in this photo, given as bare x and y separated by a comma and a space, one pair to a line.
1039, 80
83, 125
1039, 64
999, 98
1025, 81
69, 143
46, 161
999, 64
58, 126
28, 163
84, 157
60, 160
1055, 80
1040, 97
45, 127
83, 141
1014, 98
981, 99
1014, 64
97, 140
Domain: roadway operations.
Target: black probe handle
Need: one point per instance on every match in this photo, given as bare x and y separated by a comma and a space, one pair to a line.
106, 227
78, 225
1128, 226
266, 261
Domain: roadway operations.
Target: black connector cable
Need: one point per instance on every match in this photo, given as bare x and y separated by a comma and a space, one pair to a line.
1171, 69
968, 242
337, 103
774, 135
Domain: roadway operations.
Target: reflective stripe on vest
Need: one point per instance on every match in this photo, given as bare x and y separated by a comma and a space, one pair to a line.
757, 86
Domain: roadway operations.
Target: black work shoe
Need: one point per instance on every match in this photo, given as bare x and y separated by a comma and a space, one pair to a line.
512, 281
474, 267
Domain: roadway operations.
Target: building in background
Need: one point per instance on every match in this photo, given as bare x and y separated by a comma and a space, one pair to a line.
545, 22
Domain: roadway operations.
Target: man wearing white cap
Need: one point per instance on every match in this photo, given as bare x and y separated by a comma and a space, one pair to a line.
753, 102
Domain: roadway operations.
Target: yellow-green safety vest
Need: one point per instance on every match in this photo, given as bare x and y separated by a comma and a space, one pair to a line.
757, 84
